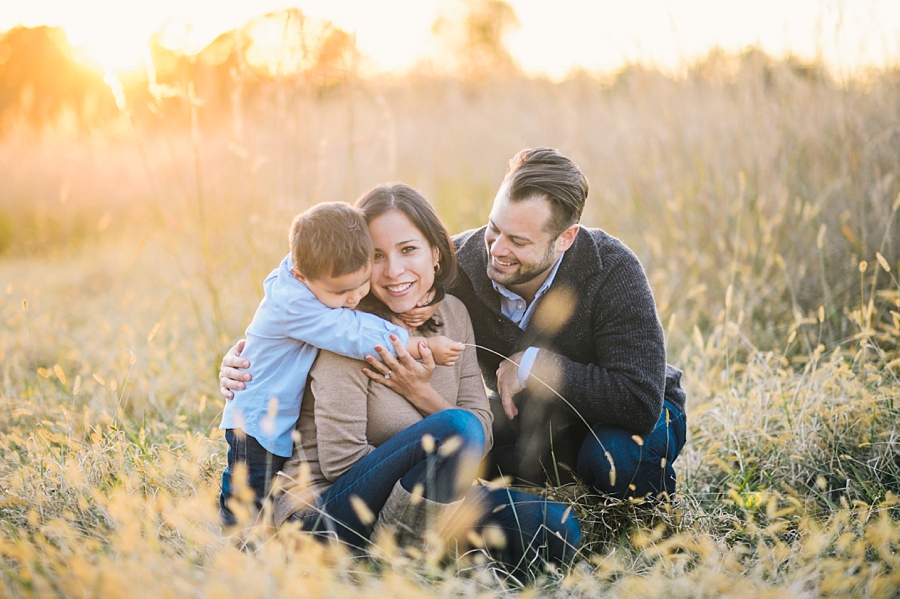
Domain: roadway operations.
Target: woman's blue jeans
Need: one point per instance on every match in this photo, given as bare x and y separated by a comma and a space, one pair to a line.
535, 528
444, 475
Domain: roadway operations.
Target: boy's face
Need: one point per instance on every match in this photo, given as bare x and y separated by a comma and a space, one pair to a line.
344, 291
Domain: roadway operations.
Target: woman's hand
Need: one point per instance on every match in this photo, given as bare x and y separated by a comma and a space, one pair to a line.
230, 378
403, 374
407, 377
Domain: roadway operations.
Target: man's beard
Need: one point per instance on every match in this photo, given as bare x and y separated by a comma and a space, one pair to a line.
525, 272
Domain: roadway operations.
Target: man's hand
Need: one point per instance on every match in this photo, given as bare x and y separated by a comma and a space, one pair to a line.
230, 378
445, 350
508, 383
419, 315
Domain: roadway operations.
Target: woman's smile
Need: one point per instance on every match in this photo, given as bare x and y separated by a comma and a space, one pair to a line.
400, 289
403, 270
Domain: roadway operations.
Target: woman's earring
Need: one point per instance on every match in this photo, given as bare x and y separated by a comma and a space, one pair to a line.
437, 268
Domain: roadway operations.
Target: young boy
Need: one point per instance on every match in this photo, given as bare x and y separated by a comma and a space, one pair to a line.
303, 309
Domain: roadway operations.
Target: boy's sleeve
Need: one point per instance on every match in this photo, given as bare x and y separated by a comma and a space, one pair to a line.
340, 330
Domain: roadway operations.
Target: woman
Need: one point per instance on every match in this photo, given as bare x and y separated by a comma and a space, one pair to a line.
387, 440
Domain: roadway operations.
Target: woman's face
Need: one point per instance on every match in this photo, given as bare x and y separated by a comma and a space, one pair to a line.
403, 271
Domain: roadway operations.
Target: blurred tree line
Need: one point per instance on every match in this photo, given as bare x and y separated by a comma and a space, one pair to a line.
42, 81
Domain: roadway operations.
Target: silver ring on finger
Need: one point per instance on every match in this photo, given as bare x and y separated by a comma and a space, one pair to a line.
388, 375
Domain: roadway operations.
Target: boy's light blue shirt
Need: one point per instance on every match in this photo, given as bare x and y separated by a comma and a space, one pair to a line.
283, 340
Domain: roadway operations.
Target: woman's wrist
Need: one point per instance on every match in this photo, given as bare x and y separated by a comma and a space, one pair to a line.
428, 401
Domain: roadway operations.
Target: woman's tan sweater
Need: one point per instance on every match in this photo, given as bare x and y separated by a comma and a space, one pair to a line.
344, 415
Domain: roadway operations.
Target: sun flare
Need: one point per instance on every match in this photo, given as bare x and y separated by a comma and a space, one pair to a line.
114, 43
112, 50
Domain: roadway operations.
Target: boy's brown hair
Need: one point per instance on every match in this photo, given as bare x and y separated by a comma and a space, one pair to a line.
329, 240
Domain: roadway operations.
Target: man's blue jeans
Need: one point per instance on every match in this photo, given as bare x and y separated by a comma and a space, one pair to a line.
549, 443
533, 526
637, 469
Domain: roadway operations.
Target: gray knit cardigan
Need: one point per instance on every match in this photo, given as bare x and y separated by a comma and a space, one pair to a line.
607, 353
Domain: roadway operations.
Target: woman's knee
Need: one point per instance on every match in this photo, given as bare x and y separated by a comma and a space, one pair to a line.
534, 527
563, 525
463, 424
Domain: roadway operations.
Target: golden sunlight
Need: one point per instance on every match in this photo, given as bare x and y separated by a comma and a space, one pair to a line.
111, 47
112, 36
280, 43
395, 34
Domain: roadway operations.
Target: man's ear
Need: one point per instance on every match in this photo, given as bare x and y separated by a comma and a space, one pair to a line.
297, 274
567, 238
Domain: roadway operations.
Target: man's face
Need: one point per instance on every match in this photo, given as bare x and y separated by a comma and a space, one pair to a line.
519, 247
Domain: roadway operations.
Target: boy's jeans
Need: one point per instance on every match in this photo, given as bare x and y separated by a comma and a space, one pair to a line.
261, 468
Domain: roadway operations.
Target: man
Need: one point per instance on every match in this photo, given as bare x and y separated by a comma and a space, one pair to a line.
570, 344
585, 385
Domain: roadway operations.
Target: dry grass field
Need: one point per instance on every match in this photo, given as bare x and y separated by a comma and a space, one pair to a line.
760, 195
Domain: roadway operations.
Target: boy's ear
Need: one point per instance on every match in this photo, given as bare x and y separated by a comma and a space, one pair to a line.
297, 274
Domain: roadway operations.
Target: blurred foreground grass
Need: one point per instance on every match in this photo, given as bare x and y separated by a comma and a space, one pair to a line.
761, 198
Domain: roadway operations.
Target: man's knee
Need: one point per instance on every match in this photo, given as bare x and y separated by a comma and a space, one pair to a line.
608, 459
618, 463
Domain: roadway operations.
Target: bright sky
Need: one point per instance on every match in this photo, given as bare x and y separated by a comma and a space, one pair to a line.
554, 37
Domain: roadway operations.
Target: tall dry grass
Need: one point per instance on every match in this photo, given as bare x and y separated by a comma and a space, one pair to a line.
760, 195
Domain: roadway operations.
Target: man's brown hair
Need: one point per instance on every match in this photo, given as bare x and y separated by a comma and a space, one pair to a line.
544, 172
329, 240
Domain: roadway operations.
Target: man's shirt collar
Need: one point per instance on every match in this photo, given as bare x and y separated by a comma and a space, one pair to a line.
514, 307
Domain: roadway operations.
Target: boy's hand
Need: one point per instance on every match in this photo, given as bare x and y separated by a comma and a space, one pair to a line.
230, 377
419, 315
446, 351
